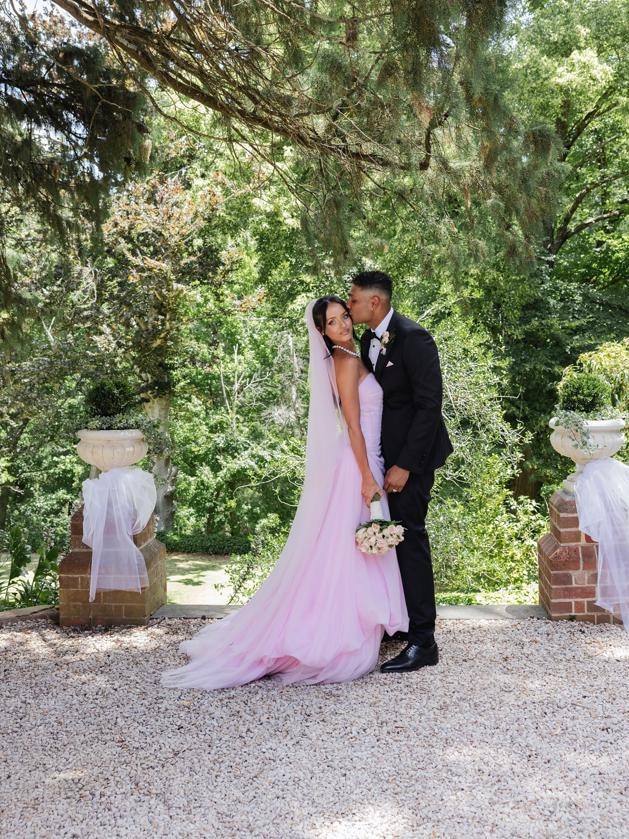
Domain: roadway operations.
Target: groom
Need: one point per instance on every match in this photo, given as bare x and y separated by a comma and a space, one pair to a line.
415, 442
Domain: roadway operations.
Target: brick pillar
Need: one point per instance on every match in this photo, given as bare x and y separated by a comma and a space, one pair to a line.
567, 562
110, 608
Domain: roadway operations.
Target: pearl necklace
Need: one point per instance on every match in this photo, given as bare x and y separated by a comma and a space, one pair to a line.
349, 352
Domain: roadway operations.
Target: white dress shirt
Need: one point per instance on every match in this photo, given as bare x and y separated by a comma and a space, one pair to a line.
375, 346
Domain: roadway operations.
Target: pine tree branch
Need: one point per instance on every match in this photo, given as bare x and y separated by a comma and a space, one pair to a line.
209, 69
435, 122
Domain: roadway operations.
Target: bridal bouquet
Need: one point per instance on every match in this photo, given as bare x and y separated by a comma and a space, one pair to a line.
378, 535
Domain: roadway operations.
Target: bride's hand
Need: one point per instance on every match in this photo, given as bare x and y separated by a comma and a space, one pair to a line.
370, 488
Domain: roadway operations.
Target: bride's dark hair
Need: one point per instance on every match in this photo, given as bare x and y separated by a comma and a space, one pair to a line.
319, 312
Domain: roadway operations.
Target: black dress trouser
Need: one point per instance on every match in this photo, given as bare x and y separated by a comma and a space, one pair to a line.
410, 507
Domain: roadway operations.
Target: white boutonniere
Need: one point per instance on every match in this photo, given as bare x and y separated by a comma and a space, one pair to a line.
385, 341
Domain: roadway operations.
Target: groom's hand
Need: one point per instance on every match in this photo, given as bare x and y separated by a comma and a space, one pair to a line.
395, 479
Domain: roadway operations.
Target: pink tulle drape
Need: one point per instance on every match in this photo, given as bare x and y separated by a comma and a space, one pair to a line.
117, 505
602, 497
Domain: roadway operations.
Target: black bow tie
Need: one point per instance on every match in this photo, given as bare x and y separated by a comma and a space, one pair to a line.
369, 335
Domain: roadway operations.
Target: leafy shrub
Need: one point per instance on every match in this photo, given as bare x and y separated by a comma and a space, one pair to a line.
219, 544
110, 398
584, 393
248, 572
485, 538
230, 478
113, 405
611, 361
21, 590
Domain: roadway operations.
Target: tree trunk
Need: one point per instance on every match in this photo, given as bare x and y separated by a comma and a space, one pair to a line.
4, 507
526, 483
164, 470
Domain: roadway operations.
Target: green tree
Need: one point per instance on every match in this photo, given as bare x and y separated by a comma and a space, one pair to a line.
363, 86
71, 127
569, 69
403, 97
155, 255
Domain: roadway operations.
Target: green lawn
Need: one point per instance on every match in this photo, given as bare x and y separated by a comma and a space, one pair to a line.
197, 578
192, 578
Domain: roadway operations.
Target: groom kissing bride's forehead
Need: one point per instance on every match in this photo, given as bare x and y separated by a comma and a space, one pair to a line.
322, 612
404, 359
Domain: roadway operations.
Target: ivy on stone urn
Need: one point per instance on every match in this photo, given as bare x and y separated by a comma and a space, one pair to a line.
111, 403
117, 432
587, 426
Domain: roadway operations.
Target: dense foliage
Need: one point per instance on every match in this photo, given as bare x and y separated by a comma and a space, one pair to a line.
70, 129
368, 86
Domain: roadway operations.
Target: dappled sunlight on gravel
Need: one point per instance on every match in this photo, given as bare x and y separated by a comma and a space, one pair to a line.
521, 730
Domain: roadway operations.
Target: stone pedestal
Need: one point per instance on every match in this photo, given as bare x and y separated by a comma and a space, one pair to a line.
110, 608
567, 562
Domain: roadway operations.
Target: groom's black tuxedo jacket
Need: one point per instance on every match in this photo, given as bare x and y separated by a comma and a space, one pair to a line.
414, 435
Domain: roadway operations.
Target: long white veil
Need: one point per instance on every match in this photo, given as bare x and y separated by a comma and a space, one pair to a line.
327, 432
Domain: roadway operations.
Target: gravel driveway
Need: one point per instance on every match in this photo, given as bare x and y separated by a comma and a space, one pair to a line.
522, 730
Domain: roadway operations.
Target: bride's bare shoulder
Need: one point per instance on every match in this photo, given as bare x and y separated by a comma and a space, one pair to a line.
341, 358
346, 366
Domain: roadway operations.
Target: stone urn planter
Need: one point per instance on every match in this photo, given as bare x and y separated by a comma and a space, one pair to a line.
108, 449
607, 438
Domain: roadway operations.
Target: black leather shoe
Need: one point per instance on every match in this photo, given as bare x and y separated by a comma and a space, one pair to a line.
412, 657
397, 636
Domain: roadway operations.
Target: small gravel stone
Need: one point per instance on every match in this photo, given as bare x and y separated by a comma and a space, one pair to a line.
521, 731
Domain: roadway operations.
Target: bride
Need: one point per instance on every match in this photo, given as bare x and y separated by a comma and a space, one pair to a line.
321, 614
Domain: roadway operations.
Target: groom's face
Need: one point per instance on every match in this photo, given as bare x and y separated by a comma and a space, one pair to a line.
360, 302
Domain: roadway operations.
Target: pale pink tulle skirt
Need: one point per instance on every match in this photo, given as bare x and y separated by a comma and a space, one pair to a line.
319, 620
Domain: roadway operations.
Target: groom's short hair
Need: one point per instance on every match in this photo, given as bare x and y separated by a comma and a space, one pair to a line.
377, 280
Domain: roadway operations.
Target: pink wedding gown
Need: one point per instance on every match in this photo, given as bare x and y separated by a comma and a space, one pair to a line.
322, 617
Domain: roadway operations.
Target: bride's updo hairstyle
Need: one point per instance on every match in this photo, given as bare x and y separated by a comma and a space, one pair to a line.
319, 315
